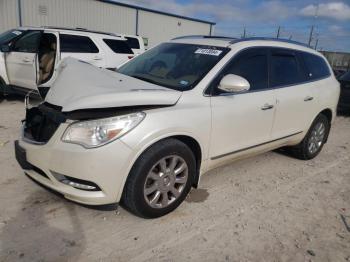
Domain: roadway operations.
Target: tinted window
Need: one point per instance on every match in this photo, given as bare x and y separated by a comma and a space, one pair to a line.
253, 66
133, 42
317, 67
77, 44
285, 69
10, 35
27, 43
118, 46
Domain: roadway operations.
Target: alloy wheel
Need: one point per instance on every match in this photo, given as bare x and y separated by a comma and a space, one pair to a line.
317, 137
165, 181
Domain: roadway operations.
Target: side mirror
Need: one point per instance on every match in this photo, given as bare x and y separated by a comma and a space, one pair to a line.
234, 84
5, 48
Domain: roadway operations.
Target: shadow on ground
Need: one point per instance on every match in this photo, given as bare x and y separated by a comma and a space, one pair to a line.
29, 236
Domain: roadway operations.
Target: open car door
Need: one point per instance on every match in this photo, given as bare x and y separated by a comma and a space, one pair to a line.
21, 60
47, 59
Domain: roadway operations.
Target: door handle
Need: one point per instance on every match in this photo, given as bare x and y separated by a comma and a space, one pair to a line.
97, 58
266, 107
308, 98
26, 60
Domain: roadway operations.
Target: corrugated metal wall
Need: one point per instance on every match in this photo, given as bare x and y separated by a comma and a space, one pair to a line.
96, 15
8, 15
159, 28
89, 14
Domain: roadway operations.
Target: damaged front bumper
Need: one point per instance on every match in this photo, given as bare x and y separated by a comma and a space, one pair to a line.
89, 176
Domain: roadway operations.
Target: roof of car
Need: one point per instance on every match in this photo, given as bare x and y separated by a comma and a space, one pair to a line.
68, 29
224, 41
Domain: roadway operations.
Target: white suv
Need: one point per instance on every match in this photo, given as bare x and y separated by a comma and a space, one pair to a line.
29, 56
144, 136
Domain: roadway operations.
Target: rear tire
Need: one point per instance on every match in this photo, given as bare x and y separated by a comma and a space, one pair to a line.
160, 179
314, 140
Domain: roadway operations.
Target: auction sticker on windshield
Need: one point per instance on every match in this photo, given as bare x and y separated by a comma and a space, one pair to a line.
208, 51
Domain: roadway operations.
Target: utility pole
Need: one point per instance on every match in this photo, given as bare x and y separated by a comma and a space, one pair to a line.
316, 44
278, 32
312, 27
244, 33
310, 36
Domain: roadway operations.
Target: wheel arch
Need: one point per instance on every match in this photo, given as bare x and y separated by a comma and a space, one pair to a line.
187, 139
195, 147
328, 113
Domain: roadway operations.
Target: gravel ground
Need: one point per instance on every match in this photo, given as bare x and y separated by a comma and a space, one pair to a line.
267, 208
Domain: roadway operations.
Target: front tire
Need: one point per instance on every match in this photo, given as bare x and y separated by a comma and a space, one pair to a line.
160, 179
314, 140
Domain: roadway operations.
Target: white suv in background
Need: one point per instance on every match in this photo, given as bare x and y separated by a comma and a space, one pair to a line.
143, 135
29, 56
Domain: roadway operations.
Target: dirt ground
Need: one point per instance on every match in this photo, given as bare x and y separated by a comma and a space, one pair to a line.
267, 208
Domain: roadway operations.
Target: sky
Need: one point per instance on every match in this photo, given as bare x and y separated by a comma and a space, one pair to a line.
262, 18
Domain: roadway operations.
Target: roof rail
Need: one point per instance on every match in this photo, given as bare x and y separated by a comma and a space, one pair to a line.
204, 36
269, 39
80, 29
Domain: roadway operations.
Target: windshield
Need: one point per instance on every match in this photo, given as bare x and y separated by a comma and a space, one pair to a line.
173, 65
8, 36
345, 76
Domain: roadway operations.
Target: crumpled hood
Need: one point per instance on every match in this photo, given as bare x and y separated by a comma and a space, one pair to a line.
79, 85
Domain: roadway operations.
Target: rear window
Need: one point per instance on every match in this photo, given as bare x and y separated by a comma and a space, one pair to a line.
118, 46
133, 42
77, 44
316, 65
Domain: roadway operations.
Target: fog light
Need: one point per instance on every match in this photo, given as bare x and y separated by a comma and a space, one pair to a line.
75, 182
77, 185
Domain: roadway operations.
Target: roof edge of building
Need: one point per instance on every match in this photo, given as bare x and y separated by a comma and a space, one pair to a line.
156, 11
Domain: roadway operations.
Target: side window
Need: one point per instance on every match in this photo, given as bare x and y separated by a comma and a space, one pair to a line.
285, 69
317, 67
27, 43
253, 66
133, 42
118, 46
77, 44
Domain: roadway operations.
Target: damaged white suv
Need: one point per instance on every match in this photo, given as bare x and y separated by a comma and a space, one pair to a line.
143, 136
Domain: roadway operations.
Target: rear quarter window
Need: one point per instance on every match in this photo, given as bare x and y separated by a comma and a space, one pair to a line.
316, 66
118, 46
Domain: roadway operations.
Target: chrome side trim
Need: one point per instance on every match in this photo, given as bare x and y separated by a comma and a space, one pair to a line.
251, 147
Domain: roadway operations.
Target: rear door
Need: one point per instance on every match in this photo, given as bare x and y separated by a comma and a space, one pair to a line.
21, 61
295, 96
241, 121
81, 47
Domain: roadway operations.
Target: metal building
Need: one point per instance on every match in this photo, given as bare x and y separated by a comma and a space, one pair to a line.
338, 60
103, 15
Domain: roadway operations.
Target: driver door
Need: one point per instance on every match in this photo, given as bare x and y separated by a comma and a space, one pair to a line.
242, 121
21, 60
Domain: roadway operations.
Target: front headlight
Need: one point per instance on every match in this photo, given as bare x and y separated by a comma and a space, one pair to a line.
95, 133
